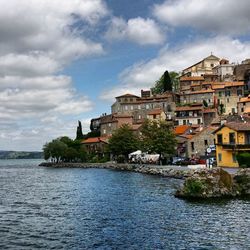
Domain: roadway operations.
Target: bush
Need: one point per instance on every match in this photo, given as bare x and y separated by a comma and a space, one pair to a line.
194, 187
120, 159
243, 160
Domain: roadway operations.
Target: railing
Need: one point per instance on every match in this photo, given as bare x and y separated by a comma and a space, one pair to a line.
234, 145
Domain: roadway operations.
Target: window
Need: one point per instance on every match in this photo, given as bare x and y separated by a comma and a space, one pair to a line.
109, 124
192, 146
125, 99
234, 158
104, 131
228, 100
242, 109
131, 99
184, 122
126, 107
199, 121
227, 93
239, 92
220, 157
131, 107
219, 139
154, 116
205, 142
233, 110
212, 65
139, 106
231, 138
220, 94
147, 106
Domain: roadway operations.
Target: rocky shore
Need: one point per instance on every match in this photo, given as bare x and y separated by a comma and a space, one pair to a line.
216, 183
164, 171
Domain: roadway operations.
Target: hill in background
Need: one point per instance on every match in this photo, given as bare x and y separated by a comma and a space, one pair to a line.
20, 155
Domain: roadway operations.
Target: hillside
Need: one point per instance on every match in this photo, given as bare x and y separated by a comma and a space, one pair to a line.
20, 155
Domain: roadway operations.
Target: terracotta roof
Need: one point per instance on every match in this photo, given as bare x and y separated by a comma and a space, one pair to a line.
209, 110
155, 112
200, 92
247, 111
245, 99
95, 140
187, 108
181, 129
234, 84
192, 78
236, 126
128, 95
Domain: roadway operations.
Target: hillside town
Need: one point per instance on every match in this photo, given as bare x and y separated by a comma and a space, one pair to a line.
209, 110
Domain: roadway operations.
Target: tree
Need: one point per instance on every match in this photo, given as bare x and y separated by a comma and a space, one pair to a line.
55, 150
158, 137
64, 149
167, 82
123, 141
79, 134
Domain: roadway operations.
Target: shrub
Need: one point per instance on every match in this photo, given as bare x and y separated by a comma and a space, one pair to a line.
243, 160
194, 187
120, 159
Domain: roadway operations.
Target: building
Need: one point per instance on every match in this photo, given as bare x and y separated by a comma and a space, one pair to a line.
96, 145
231, 138
203, 67
198, 96
228, 95
190, 83
156, 114
244, 105
139, 107
198, 144
224, 71
189, 115
110, 123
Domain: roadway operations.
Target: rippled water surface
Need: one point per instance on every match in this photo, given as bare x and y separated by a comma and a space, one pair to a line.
52, 208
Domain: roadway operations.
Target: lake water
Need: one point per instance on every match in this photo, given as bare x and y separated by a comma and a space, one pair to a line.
52, 208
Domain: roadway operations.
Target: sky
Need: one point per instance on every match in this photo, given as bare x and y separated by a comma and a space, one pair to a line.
65, 60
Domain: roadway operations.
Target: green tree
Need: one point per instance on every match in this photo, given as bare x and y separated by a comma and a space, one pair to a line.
79, 134
123, 141
55, 150
158, 137
167, 82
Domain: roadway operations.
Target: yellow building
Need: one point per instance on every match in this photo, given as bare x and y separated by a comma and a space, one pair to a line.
231, 138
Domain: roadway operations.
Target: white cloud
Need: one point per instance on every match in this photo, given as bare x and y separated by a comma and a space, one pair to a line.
138, 30
144, 74
223, 16
37, 40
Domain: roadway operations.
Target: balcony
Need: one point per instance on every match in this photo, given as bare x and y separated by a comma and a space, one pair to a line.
234, 146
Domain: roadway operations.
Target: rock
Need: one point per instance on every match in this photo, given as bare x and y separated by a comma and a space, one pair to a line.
215, 183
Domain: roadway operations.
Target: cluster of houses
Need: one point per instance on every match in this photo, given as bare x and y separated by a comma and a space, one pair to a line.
210, 112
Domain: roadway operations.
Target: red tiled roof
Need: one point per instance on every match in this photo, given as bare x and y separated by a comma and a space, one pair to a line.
95, 140
155, 112
128, 95
181, 129
192, 78
209, 110
245, 99
236, 126
187, 108
200, 92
